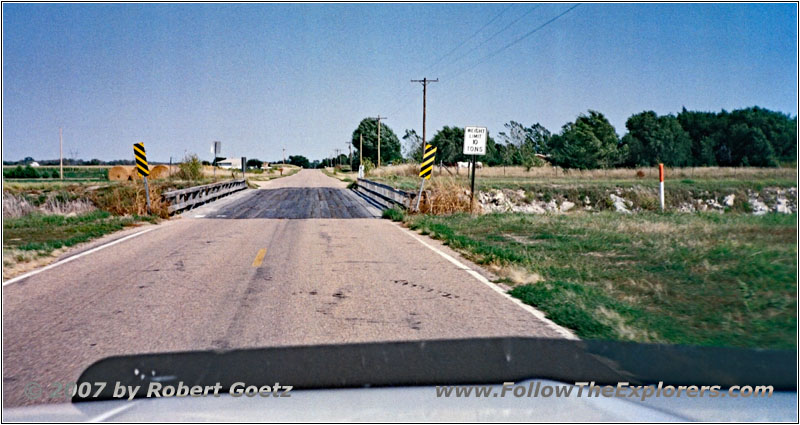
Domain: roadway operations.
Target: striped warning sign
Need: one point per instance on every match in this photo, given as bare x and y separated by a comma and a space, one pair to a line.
427, 162
141, 159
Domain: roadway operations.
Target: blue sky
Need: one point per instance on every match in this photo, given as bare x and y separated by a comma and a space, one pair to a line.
260, 77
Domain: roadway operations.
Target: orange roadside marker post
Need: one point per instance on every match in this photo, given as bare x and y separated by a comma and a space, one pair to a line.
661, 185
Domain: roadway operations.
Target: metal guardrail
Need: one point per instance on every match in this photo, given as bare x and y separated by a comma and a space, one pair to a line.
386, 195
186, 198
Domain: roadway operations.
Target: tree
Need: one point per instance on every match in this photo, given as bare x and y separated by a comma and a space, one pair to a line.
751, 136
413, 145
750, 147
523, 143
777, 129
300, 161
254, 163
589, 142
652, 140
390, 144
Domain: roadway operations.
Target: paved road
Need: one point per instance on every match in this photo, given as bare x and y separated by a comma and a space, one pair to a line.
291, 263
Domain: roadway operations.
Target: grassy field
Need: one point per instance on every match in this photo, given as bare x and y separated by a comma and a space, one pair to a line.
45, 233
700, 279
86, 173
687, 189
699, 179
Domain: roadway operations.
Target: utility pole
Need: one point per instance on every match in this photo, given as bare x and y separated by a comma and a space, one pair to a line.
379, 118
360, 149
61, 152
350, 149
424, 82
284, 156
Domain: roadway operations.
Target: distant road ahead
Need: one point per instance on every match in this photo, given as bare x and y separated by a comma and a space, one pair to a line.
300, 261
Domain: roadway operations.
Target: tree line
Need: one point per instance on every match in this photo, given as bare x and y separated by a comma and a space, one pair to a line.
744, 137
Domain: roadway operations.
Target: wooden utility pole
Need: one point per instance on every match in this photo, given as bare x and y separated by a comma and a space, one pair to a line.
424, 82
379, 118
61, 152
360, 149
350, 149
284, 156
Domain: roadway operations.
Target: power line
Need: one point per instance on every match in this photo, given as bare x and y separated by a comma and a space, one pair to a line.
468, 38
502, 49
408, 94
491, 55
495, 34
411, 100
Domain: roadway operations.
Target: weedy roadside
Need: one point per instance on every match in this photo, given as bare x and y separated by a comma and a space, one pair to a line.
701, 278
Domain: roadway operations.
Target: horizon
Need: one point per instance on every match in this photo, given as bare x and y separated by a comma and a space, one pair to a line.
267, 76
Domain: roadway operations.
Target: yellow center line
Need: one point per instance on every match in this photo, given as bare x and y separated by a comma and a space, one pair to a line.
259, 257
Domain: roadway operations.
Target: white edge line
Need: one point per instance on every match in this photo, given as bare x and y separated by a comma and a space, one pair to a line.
113, 412
74, 257
566, 333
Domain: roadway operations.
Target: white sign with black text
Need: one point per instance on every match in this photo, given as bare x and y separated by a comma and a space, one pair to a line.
475, 140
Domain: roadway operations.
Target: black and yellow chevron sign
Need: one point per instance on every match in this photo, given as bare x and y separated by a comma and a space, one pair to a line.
426, 168
141, 159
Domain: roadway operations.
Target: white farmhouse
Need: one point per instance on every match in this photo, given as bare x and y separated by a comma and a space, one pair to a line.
230, 163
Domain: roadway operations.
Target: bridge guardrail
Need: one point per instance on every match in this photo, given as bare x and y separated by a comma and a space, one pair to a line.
385, 194
186, 198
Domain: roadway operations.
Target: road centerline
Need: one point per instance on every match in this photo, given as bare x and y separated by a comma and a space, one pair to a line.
259, 257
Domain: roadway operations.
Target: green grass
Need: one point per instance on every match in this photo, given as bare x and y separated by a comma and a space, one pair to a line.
394, 214
91, 173
46, 233
699, 279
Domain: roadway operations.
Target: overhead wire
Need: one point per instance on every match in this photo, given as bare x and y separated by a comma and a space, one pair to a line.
468, 38
507, 46
458, 47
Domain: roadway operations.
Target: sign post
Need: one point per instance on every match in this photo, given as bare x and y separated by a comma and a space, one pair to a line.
425, 169
361, 156
142, 169
474, 144
216, 150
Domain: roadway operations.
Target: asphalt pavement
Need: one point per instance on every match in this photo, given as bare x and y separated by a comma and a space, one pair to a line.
302, 260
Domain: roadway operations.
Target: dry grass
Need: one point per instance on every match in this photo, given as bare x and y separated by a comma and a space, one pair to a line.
407, 170
128, 198
18, 261
551, 172
18, 206
445, 196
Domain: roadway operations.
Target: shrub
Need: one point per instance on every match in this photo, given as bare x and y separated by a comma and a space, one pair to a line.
19, 172
368, 166
531, 160
190, 169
